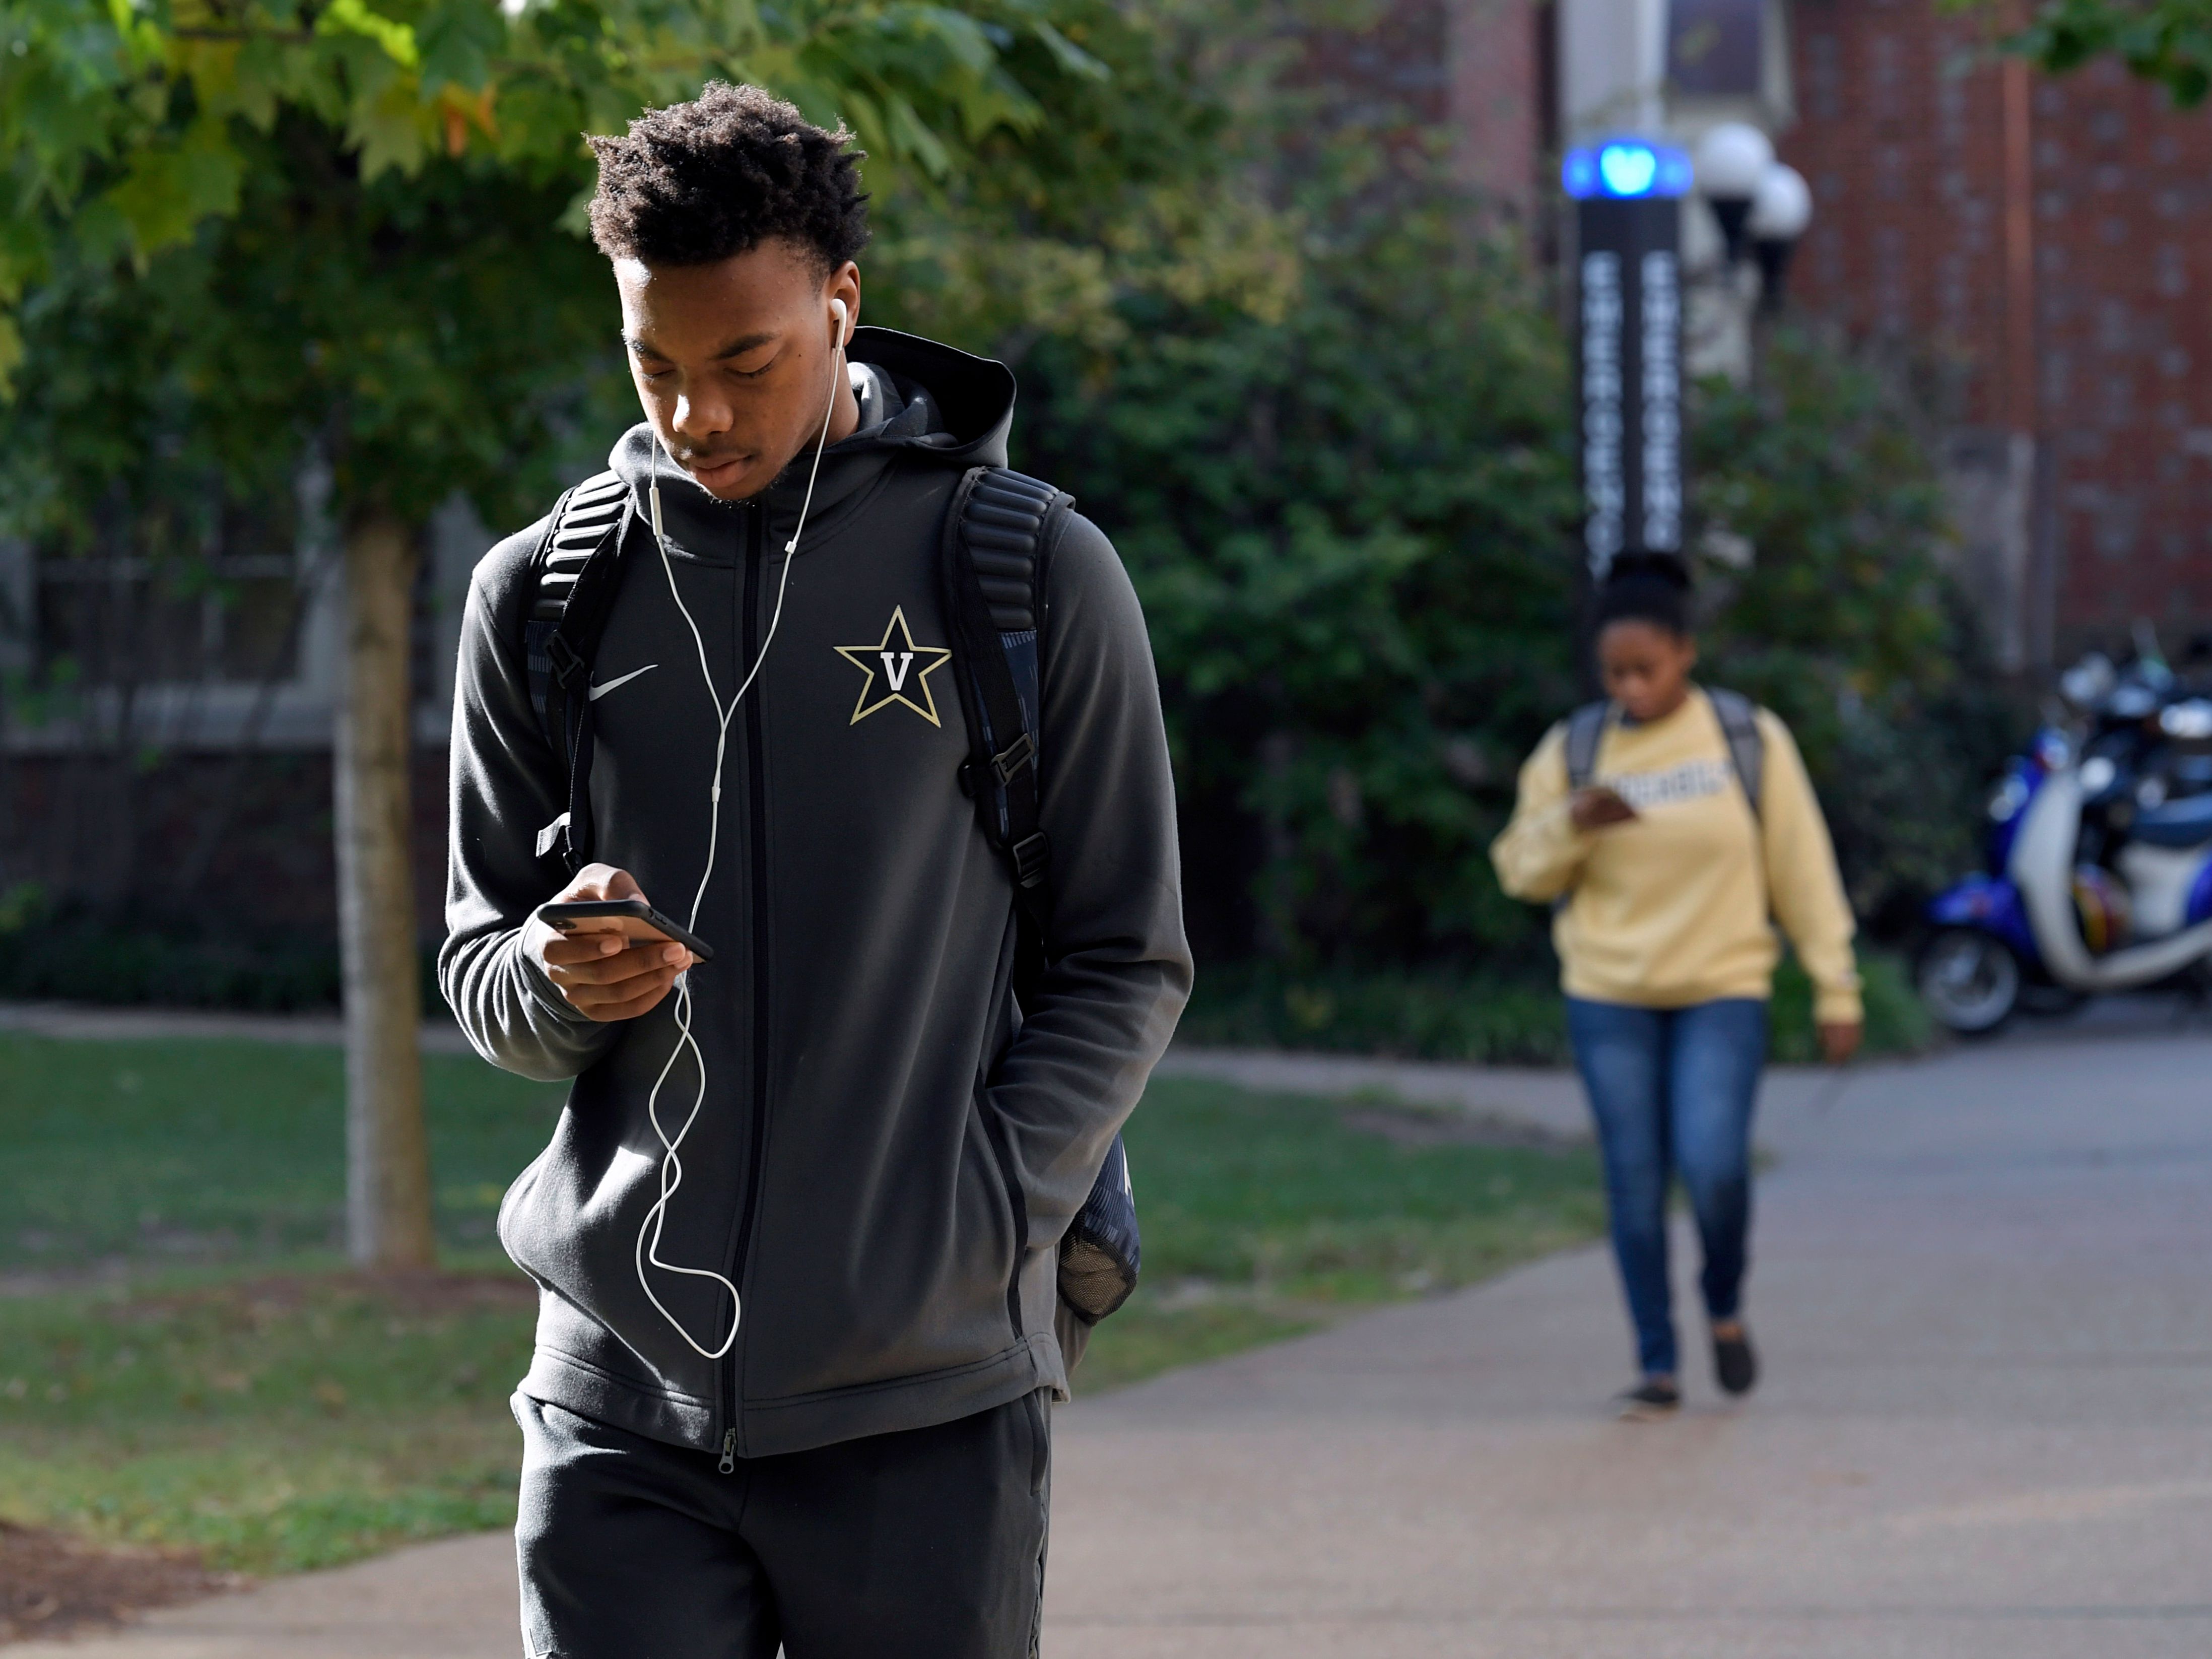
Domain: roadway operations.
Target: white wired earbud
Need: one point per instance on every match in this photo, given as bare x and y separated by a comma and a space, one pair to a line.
672, 1166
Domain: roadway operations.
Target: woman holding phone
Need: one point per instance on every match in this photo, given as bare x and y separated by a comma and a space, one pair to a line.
1671, 827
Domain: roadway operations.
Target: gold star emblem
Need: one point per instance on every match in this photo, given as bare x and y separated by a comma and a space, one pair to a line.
905, 668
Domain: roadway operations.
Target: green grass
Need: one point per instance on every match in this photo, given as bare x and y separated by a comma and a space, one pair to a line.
1266, 1215
274, 1424
186, 1361
202, 1373
227, 1151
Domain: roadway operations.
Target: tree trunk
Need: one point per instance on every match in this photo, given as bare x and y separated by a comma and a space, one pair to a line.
388, 1222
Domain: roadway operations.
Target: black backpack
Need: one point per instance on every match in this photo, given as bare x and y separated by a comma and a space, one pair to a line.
999, 536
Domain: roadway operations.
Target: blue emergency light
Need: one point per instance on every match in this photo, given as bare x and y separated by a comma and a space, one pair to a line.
1627, 169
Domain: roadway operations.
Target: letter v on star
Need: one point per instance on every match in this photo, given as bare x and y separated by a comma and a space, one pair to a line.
900, 667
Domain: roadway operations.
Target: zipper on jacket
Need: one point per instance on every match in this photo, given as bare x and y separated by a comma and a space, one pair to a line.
756, 821
729, 1463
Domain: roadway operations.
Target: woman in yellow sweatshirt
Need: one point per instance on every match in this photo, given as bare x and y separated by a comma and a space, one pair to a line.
1667, 879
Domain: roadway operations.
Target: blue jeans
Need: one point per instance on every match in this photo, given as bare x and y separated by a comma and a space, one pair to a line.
1673, 1089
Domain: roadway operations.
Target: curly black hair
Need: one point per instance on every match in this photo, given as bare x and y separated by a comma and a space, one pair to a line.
1646, 588
696, 183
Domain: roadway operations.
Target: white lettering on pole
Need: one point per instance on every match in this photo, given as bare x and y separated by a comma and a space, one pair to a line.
1661, 434
1603, 485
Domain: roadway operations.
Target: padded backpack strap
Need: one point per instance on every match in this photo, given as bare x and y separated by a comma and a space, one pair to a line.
1000, 534
578, 571
995, 537
539, 621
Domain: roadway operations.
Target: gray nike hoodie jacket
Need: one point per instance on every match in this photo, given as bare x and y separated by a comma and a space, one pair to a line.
888, 1149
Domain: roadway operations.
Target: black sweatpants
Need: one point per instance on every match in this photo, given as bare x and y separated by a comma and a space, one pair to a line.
923, 1545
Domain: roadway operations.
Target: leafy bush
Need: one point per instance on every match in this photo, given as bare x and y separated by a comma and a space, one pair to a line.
1429, 1014
1832, 608
72, 955
1347, 527
1485, 1019
1897, 1021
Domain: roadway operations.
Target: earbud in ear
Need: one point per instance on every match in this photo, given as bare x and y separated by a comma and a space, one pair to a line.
837, 311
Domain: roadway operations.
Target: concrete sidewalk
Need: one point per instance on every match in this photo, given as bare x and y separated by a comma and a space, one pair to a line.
87, 1022
1987, 1431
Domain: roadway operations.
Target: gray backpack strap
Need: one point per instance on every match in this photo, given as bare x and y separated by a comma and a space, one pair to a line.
1746, 746
1585, 731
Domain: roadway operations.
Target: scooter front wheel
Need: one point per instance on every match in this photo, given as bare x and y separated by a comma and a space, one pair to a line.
1970, 980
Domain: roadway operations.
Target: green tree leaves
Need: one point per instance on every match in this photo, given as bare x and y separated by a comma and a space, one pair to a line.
2167, 41
457, 42
338, 224
171, 184
125, 129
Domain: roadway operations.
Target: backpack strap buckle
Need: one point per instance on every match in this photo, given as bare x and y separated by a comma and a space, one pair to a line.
1032, 858
1006, 766
1021, 752
566, 660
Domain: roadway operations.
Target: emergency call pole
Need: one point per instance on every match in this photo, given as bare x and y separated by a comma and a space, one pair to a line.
1628, 326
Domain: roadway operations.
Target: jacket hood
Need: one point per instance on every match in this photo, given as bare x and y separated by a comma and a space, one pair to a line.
953, 410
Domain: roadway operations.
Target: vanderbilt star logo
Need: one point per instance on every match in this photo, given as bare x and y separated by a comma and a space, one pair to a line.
905, 668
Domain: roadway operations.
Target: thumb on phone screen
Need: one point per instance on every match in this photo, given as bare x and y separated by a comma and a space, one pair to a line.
601, 881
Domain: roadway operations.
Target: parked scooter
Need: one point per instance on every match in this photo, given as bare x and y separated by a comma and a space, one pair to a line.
2099, 871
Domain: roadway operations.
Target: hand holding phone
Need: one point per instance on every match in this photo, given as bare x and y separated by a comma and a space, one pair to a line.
611, 955
630, 919
1595, 807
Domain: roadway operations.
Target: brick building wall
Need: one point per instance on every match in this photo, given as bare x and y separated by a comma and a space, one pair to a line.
1472, 68
2044, 245
1494, 101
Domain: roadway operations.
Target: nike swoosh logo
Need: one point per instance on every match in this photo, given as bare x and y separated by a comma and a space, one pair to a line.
598, 691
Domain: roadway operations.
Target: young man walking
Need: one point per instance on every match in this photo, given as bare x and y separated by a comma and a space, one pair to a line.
796, 1231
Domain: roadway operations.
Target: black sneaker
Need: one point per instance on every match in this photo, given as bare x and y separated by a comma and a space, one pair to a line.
1734, 1366
1649, 1401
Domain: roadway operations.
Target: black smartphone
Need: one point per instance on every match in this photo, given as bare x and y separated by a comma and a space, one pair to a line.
636, 921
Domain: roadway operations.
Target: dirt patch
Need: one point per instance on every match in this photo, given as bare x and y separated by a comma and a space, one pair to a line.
1411, 1126
53, 1584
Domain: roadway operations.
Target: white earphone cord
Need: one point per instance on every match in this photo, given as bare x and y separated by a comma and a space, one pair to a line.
671, 1165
